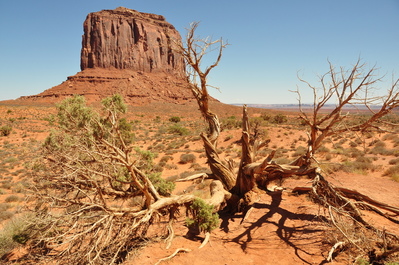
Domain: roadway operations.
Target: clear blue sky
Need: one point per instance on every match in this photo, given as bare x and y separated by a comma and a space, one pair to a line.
271, 41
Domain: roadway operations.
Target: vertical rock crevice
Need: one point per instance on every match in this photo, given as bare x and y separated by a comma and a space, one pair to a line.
127, 39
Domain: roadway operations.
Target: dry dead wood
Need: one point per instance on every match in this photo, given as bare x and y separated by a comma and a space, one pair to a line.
337, 203
359, 197
336, 247
193, 177
206, 239
173, 254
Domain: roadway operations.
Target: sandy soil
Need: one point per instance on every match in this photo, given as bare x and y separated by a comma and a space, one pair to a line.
281, 229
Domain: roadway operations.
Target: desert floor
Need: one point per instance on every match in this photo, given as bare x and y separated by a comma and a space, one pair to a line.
283, 228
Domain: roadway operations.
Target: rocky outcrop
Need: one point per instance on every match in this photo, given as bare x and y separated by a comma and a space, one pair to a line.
126, 52
127, 39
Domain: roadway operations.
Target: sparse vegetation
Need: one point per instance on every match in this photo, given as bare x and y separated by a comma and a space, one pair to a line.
203, 217
5, 130
174, 119
187, 158
178, 129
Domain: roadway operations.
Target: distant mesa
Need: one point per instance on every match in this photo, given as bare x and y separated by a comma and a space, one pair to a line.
128, 52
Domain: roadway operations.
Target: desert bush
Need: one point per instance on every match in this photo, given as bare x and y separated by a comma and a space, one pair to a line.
279, 119
361, 165
170, 166
146, 159
230, 123
5, 130
164, 187
16, 231
172, 178
4, 215
178, 129
18, 188
300, 151
328, 157
6, 184
174, 119
379, 148
354, 153
166, 158
5, 206
392, 172
203, 219
12, 198
265, 116
187, 158
302, 138
394, 161
282, 160
323, 149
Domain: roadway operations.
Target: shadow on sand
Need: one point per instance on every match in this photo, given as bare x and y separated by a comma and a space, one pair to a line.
284, 232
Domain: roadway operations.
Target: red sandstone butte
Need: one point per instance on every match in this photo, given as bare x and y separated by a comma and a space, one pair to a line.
127, 52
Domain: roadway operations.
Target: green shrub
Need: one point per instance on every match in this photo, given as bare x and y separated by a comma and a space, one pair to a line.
230, 123
266, 117
362, 261
146, 159
5, 130
166, 158
361, 165
14, 231
174, 119
177, 129
204, 220
187, 158
164, 187
279, 119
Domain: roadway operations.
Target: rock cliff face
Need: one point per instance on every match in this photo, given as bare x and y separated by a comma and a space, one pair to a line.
130, 53
127, 39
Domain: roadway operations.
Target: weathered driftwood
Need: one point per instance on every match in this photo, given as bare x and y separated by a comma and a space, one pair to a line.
355, 195
193, 177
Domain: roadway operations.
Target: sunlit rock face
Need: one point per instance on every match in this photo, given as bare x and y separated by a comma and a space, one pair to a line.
128, 39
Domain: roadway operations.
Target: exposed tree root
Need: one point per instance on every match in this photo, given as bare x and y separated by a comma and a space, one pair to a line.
173, 254
337, 246
361, 200
193, 177
206, 239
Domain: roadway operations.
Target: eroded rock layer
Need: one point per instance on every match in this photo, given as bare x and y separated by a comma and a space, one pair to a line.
127, 39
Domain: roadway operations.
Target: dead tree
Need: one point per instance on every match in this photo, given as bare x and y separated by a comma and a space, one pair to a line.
193, 52
251, 175
348, 90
